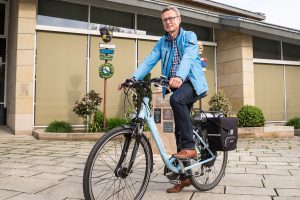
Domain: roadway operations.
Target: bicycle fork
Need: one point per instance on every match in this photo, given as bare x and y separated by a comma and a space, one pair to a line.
124, 171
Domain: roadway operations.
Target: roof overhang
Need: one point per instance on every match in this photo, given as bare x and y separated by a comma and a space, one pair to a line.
260, 29
204, 18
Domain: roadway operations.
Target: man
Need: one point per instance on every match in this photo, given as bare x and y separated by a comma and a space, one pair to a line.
179, 54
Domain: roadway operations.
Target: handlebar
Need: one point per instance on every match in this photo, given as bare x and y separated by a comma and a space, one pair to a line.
157, 81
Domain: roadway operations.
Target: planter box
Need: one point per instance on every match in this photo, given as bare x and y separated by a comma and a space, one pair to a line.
42, 135
266, 132
297, 132
169, 138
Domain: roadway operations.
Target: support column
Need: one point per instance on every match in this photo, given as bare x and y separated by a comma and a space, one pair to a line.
21, 67
235, 67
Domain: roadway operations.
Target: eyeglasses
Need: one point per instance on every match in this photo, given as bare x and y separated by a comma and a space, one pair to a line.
170, 19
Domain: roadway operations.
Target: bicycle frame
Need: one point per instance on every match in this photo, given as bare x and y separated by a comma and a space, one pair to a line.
145, 113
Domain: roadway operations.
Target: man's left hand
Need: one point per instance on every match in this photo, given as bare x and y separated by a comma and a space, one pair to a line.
175, 82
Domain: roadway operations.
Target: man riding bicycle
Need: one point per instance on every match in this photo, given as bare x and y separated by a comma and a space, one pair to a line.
179, 54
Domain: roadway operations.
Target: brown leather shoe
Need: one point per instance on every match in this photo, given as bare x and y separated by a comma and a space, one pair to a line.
185, 153
178, 187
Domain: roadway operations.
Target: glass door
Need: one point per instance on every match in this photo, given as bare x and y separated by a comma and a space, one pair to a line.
3, 61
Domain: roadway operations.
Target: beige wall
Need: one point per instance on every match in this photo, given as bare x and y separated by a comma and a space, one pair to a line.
60, 76
21, 66
292, 91
124, 65
269, 91
235, 67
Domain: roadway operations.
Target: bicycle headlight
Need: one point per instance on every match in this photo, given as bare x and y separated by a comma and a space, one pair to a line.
133, 115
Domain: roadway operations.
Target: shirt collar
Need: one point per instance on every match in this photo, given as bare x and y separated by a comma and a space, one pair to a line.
169, 39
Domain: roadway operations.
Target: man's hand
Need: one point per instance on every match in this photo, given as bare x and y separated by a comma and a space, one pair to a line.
175, 82
131, 80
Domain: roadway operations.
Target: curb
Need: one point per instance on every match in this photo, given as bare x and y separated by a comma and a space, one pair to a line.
41, 135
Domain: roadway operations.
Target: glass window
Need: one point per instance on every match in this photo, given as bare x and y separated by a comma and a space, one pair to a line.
60, 70
291, 52
118, 21
266, 49
2, 78
203, 33
2, 18
150, 25
2, 48
56, 13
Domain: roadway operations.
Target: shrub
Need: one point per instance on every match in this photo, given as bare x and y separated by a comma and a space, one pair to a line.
59, 127
97, 125
294, 122
219, 102
87, 107
250, 116
115, 122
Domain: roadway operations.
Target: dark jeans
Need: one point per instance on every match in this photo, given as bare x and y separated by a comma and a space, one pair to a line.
181, 102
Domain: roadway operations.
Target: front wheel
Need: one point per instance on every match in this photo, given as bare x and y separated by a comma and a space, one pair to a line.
106, 174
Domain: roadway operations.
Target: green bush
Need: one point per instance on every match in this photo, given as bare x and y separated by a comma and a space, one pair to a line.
219, 102
97, 124
87, 106
250, 116
294, 122
115, 122
59, 127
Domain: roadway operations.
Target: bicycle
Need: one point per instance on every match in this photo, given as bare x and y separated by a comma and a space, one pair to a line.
121, 162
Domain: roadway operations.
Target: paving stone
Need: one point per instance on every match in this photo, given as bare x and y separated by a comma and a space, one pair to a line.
289, 192
71, 165
285, 198
284, 178
64, 190
4, 194
15, 165
252, 166
34, 197
245, 176
74, 179
268, 171
250, 191
279, 183
248, 158
74, 172
208, 196
273, 163
51, 169
277, 159
281, 167
236, 170
161, 195
19, 172
45, 162
295, 172
228, 180
50, 176
28, 185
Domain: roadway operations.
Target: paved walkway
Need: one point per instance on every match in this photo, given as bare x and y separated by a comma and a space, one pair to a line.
260, 169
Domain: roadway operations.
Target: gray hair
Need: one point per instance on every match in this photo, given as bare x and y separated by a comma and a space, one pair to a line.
171, 8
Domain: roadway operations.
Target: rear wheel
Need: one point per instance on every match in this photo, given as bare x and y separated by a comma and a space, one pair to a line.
207, 176
106, 177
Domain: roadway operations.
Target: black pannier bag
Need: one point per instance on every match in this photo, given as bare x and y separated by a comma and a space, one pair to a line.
222, 133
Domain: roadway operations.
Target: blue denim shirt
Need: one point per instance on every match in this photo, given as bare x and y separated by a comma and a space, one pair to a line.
190, 65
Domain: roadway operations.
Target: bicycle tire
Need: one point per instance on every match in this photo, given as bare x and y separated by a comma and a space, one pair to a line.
96, 171
209, 177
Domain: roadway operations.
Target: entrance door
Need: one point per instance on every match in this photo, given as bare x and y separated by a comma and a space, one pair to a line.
3, 59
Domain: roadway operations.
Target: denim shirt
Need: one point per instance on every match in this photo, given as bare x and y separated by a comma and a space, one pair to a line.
190, 65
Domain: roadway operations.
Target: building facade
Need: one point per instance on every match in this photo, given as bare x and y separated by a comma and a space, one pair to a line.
49, 52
